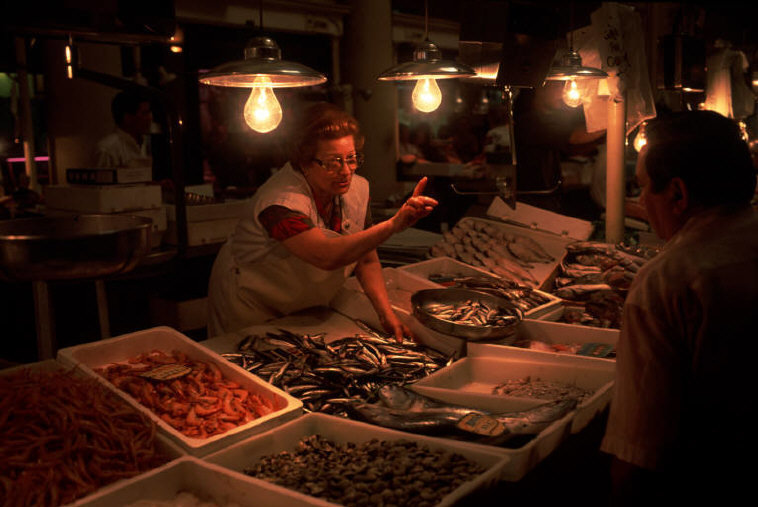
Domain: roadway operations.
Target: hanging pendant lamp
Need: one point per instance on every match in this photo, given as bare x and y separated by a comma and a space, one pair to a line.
427, 66
262, 70
571, 70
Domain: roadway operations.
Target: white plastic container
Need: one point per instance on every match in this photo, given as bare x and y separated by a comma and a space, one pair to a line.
205, 481
201, 212
487, 366
103, 198
114, 350
286, 437
554, 333
555, 313
447, 266
202, 232
554, 245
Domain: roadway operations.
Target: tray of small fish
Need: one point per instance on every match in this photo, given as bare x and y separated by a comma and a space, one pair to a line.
465, 313
593, 280
520, 255
350, 463
526, 378
193, 395
327, 377
190, 482
449, 272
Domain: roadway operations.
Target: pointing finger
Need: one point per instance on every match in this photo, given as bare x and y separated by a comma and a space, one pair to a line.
419, 187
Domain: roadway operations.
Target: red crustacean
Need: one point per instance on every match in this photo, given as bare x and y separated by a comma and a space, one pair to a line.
200, 404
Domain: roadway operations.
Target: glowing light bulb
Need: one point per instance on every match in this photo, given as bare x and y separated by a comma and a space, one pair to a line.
640, 139
572, 97
426, 95
262, 111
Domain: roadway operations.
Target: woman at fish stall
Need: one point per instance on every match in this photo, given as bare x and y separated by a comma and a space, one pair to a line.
306, 229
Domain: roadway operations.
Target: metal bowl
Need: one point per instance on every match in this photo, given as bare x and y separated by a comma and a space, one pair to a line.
421, 299
72, 247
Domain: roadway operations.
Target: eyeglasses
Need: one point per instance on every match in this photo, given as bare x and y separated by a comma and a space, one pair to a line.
334, 164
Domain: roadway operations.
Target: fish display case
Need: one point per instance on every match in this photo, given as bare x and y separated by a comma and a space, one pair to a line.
349, 436
448, 272
125, 350
517, 254
549, 336
191, 481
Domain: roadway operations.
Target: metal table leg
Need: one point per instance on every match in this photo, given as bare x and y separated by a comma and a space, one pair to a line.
44, 322
102, 309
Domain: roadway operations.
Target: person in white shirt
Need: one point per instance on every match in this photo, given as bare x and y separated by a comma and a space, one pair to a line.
128, 145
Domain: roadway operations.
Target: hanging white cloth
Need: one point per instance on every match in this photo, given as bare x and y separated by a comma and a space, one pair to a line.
614, 42
726, 90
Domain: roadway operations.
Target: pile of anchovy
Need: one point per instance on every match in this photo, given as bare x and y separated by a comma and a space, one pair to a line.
327, 377
376, 472
523, 298
472, 313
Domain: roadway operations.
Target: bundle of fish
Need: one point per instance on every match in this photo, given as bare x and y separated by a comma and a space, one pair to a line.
328, 376
503, 253
472, 313
598, 275
524, 298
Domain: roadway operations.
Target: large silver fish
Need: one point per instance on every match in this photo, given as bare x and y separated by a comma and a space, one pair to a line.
402, 409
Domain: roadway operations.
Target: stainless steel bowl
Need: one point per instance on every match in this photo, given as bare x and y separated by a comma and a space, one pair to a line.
72, 247
456, 296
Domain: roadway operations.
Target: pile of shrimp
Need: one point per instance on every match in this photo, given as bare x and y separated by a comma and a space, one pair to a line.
63, 436
200, 404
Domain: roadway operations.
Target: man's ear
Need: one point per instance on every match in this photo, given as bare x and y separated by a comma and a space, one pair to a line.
680, 196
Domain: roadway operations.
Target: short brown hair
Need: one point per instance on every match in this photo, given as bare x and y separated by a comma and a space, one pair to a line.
322, 121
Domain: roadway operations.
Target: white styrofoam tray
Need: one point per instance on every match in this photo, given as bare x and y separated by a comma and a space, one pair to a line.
487, 366
103, 198
554, 245
286, 437
200, 212
533, 217
556, 312
206, 481
202, 232
554, 333
447, 266
163, 444
121, 348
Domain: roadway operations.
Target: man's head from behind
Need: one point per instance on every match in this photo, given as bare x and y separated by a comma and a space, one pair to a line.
131, 112
693, 160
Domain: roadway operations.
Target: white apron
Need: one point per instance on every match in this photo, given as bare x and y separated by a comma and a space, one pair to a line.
277, 283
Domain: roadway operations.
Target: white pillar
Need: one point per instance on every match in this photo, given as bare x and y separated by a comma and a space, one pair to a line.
367, 51
614, 186
25, 113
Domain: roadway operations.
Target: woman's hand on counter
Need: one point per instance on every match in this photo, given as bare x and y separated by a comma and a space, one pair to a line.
392, 325
415, 208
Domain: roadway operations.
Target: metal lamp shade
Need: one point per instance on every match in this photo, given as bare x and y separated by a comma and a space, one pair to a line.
427, 64
571, 68
262, 60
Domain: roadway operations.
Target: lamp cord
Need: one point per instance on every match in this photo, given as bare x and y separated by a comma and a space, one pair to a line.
426, 20
260, 14
571, 26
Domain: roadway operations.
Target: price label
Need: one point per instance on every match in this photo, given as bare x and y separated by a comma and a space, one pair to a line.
167, 372
481, 425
